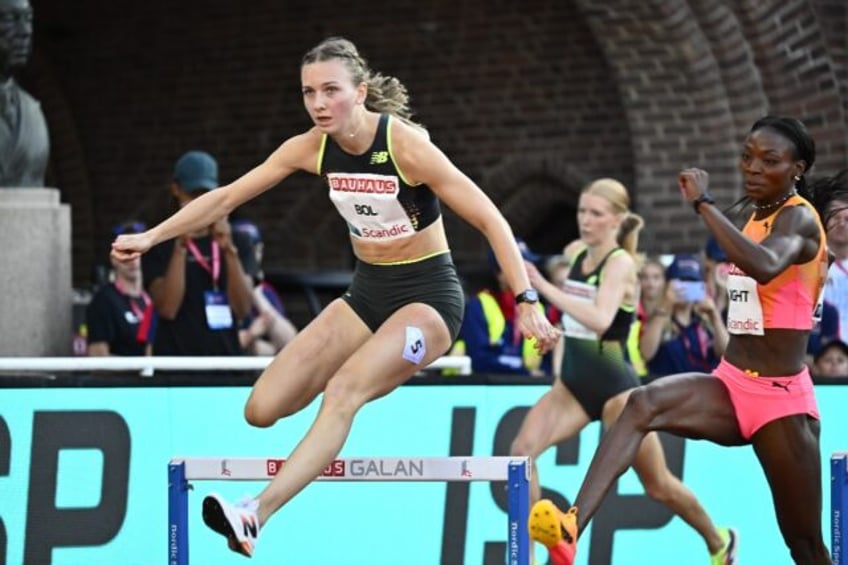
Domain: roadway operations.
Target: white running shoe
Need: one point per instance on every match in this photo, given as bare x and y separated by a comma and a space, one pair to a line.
237, 522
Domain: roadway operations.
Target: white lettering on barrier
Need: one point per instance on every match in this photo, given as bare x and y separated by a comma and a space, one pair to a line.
173, 545
513, 542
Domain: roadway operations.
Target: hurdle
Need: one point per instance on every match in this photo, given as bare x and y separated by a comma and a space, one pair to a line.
514, 470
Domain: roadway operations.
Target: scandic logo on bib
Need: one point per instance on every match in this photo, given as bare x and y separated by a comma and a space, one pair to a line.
743, 325
393, 231
368, 184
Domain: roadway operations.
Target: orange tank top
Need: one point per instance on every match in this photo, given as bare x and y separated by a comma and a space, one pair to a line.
789, 300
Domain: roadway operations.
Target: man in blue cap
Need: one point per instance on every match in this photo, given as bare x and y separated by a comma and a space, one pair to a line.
197, 282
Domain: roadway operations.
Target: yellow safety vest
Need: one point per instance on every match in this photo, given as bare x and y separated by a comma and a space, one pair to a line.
633, 351
497, 325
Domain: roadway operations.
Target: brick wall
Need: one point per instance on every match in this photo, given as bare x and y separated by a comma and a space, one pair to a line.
531, 99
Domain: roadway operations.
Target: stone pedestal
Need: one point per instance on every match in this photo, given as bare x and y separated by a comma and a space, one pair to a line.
35, 273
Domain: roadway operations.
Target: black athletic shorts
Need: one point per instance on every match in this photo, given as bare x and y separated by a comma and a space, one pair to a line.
377, 291
595, 371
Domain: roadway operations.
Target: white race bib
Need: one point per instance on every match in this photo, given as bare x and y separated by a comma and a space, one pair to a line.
744, 312
369, 204
585, 293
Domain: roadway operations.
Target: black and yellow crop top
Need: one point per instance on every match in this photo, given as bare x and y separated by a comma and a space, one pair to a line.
370, 191
585, 287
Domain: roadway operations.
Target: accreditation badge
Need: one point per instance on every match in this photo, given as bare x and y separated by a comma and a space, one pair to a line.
218, 313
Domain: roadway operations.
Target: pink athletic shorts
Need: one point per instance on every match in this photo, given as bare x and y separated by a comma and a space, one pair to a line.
760, 400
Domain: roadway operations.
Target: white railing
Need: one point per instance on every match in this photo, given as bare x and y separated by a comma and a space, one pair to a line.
146, 366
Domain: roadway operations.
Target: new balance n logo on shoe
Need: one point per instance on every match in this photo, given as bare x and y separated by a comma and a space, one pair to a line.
250, 528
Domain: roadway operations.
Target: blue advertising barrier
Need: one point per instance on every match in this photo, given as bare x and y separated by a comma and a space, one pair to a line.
82, 481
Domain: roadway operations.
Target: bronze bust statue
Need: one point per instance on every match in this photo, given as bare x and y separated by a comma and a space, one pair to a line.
24, 141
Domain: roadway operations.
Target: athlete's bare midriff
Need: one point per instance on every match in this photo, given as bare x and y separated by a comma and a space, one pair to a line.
429, 241
779, 352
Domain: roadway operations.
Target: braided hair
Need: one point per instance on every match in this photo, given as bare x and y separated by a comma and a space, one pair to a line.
386, 94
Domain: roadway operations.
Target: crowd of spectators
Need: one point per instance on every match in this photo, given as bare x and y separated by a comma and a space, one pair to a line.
200, 294
206, 294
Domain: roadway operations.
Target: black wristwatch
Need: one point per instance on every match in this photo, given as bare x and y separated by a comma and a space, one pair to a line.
705, 197
529, 296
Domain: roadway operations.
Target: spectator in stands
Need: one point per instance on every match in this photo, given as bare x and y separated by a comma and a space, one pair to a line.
825, 329
716, 269
404, 307
836, 224
651, 285
267, 329
120, 317
489, 335
685, 331
197, 281
831, 360
651, 291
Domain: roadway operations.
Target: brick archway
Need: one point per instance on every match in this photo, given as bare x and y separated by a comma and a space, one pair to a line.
694, 76
633, 89
538, 196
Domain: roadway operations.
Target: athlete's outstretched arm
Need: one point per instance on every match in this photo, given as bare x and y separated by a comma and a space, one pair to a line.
206, 209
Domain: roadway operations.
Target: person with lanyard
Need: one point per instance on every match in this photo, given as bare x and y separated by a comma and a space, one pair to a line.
404, 306
685, 332
120, 317
598, 303
761, 393
197, 282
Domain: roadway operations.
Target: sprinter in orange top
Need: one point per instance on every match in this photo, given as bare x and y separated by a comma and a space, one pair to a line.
761, 393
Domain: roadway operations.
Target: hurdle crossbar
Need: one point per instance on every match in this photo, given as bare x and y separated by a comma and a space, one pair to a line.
515, 471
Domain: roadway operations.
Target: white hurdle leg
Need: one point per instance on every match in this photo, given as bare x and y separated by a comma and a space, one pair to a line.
514, 470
